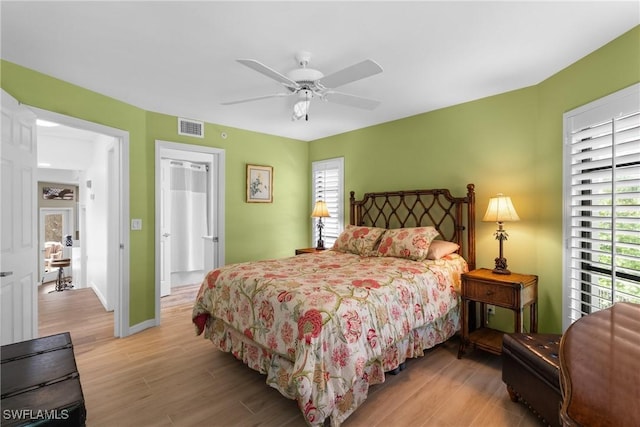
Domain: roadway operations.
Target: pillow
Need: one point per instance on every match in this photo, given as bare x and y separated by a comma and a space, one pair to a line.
410, 243
440, 248
358, 240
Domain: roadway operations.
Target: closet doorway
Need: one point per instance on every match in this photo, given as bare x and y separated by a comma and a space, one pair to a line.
189, 215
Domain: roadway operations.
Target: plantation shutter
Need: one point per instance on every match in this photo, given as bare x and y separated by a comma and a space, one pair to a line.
327, 181
602, 201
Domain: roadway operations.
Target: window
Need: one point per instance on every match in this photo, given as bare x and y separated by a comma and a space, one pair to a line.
602, 204
327, 178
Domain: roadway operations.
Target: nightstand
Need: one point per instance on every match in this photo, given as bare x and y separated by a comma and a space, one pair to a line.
308, 251
511, 291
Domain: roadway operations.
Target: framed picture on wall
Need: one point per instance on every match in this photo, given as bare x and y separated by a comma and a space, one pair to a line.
259, 184
52, 193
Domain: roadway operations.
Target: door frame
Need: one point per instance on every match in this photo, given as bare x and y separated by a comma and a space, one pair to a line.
216, 160
165, 218
118, 211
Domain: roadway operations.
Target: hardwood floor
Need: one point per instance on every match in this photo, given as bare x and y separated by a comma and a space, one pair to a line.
168, 376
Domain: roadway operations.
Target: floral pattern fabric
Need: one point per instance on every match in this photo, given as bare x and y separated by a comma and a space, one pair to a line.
324, 327
411, 243
359, 240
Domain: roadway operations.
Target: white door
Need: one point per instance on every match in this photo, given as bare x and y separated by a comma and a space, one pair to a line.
18, 239
165, 230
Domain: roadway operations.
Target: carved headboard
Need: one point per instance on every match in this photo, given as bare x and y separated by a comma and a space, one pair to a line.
453, 217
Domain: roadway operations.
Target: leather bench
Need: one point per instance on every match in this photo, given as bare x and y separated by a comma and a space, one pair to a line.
530, 369
41, 384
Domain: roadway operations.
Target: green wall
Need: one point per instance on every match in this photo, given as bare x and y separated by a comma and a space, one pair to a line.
253, 231
510, 143
607, 70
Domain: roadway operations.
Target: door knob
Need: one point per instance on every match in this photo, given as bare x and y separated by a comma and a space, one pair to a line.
5, 273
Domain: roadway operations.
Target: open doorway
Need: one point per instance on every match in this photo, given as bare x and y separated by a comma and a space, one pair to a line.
55, 225
92, 159
189, 215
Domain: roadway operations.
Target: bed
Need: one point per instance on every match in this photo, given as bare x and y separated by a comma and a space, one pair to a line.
324, 327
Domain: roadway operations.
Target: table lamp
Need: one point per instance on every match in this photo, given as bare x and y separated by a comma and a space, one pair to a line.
501, 210
320, 211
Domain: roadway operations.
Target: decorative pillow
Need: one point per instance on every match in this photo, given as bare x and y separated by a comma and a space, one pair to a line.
410, 243
358, 240
440, 248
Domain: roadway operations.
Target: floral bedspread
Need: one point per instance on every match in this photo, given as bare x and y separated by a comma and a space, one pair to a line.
325, 326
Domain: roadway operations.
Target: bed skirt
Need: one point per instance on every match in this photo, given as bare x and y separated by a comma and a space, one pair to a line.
278, 368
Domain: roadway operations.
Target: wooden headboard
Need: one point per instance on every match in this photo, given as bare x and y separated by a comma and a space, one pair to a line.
453, 217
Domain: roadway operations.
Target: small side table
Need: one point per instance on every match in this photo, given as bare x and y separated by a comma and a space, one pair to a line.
309, 251
512, 291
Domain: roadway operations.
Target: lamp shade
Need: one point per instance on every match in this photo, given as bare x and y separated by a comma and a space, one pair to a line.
500, 209
320, 210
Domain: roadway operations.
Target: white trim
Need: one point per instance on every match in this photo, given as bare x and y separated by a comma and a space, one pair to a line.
139, 327
99, 295
192, 153
121, 310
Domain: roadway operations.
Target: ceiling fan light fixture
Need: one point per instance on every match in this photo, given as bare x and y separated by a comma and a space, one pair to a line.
301, 107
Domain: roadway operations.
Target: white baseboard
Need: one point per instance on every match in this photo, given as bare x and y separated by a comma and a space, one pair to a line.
127, 330
142, 326
101, 298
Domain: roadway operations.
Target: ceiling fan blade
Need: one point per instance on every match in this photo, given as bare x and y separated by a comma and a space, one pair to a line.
350, 74
269, 72
257, 98
351, 100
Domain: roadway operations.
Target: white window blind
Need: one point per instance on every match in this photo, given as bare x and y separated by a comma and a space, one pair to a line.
602, 204
328, 185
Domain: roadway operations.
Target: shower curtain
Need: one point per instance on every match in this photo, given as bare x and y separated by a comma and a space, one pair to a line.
188, 184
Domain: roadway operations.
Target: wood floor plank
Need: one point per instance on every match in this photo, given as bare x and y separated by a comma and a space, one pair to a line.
167, 376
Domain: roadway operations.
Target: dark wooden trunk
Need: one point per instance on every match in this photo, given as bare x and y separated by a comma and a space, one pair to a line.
41, 383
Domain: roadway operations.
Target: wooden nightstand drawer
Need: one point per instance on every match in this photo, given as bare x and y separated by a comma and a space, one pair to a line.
490, 293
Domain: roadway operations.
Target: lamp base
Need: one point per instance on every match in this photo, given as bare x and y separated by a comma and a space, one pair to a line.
320, 244
501, 266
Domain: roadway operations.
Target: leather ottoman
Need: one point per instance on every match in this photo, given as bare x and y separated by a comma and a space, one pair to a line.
530, 369
41, 384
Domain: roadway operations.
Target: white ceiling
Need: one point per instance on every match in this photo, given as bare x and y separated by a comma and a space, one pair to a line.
178, 57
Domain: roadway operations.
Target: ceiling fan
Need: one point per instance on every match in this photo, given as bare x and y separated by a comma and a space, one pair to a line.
306, 83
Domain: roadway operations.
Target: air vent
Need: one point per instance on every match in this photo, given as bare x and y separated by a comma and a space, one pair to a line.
190, 128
